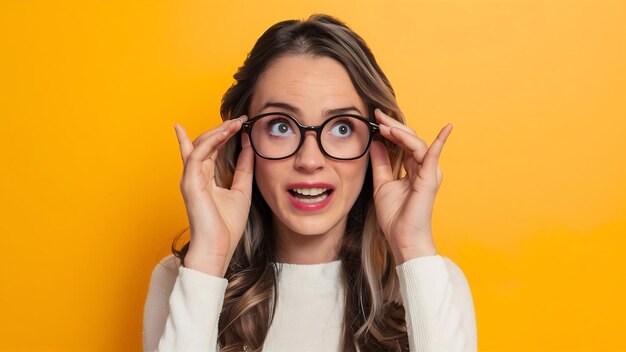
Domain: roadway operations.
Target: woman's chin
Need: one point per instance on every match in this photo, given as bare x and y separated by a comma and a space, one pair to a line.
311, 226
308, 230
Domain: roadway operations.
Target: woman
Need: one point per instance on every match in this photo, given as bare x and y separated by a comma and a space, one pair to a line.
307, 238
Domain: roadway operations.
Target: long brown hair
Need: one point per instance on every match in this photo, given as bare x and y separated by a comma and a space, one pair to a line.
374, 318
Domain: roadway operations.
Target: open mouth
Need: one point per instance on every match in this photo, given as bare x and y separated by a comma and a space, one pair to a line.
310, 195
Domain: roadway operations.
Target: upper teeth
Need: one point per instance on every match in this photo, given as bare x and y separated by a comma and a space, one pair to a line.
310, 191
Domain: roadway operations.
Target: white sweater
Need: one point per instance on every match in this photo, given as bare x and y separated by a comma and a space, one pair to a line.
183, 305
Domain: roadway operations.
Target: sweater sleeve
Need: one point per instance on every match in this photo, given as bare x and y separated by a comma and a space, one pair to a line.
438, 305
182, 309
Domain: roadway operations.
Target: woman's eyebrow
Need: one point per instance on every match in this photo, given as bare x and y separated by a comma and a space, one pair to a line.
296, 110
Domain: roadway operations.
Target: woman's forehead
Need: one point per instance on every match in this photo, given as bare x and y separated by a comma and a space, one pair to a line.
311, 85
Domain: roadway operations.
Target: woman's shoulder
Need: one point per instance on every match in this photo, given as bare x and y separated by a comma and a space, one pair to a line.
455, 272
429, 267
169, 262
165, 272
458, 280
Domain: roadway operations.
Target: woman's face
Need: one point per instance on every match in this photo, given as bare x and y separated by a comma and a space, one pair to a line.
310, 86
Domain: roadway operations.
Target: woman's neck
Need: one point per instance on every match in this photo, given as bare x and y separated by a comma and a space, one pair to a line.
295, 248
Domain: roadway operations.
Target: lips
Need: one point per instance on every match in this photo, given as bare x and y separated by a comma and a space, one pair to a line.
310, 196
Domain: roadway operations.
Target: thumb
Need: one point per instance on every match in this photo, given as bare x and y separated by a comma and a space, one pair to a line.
381, 166
242, 180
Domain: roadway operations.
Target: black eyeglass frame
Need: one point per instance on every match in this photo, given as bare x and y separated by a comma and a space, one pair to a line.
374, 130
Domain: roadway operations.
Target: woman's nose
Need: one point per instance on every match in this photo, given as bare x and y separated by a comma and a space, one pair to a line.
309, 158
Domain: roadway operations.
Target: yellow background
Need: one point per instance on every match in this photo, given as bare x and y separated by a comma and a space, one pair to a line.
532, 206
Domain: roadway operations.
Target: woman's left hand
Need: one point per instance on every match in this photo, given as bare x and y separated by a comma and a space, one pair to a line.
404, 207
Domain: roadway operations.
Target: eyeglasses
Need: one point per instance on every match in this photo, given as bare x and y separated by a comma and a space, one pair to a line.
277, 135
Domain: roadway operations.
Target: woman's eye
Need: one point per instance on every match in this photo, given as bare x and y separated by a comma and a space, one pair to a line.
342, 129
280, 128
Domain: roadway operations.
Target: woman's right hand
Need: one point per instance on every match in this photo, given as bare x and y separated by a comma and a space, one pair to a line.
217, 216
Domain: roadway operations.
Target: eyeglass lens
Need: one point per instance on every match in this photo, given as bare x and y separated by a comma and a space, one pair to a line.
277, 136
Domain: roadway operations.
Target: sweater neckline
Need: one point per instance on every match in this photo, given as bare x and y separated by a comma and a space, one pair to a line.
321, 275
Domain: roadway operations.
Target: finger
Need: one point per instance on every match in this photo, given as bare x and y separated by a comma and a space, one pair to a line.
406, 157
242, 180
186, 147
219, 128
232, 128
431, 160
385, 119
386, 132
207, 149
224, 125
410, 143
381, 165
